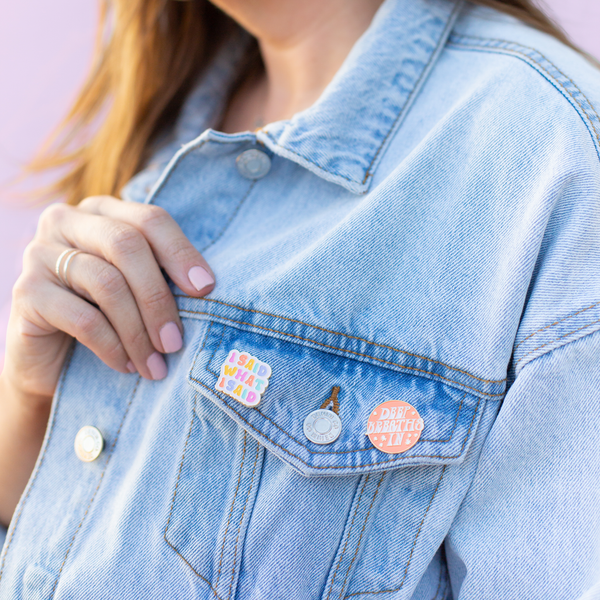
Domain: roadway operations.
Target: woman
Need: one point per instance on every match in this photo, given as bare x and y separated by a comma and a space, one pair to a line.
373, 368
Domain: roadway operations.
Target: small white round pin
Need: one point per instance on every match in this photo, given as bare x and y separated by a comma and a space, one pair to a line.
322, 426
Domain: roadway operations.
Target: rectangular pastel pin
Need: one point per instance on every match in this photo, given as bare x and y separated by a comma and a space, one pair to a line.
244, 378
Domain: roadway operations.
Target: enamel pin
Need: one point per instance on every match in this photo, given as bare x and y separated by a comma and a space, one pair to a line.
244, 378
324, 426
394, 427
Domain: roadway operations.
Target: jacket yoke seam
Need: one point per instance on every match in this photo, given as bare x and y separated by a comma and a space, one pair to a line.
325, 330
519, 52
381, 360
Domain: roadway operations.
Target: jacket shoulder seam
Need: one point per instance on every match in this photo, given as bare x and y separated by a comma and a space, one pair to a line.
545, 67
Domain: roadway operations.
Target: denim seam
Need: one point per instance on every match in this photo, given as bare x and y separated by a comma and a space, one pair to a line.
557, 339
41, 461
541, 69
312, 162
231, 218
345, 335
173, 505
362, 531
346, 351
351, 467
257, 410
453, 427
403, 109
167, 176
417, 87
339, 562
242, 517
112, 449
237, 487
566, 318
412, 548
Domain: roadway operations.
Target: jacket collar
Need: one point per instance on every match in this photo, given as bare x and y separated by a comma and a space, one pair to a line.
343, 136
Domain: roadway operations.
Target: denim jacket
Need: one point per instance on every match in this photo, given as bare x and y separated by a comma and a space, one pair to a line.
426, 235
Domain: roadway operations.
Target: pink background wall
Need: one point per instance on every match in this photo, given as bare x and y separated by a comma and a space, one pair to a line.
45, 48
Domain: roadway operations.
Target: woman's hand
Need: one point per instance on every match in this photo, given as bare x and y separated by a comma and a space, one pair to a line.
120, 305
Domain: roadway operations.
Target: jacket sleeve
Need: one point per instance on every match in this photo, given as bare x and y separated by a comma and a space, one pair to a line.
2, 537
529, 526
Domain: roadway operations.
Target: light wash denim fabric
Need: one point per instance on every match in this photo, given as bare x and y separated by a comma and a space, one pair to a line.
429, 231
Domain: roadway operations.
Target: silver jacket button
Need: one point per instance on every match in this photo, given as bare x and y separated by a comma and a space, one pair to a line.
88, 443
322, 426
253, 164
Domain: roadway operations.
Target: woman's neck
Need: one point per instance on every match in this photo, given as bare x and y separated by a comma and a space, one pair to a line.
302, 44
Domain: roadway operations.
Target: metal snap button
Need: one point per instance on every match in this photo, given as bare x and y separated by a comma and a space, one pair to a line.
253, 164
88, 443
322, 426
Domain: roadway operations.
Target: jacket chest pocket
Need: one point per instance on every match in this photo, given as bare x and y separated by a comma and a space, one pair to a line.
262, 510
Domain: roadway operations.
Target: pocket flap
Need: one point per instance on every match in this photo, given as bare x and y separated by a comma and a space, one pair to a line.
302, 378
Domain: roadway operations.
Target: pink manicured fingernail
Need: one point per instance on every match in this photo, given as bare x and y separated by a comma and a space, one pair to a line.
157, 365
171, 338
131, 367
200, 278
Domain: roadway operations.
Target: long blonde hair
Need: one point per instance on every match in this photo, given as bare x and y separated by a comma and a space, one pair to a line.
148, 55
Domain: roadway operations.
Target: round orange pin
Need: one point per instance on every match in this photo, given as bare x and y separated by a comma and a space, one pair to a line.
394, 427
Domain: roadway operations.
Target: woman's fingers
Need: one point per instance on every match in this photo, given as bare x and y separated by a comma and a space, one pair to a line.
124, 247
103, 284
67, 312
173, 251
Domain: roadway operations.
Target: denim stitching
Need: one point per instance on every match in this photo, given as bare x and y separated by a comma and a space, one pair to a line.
453, 428
242, 518
308, 160
172, 170
112, 449
416, 88
387, 362
237, 487
557, 339
413, 545
544, 72
572, 315
208, 330
351, 337
173, 505
257, 410
231, 218
362, 531
348, 536
42, 458
264, 435
593, 111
